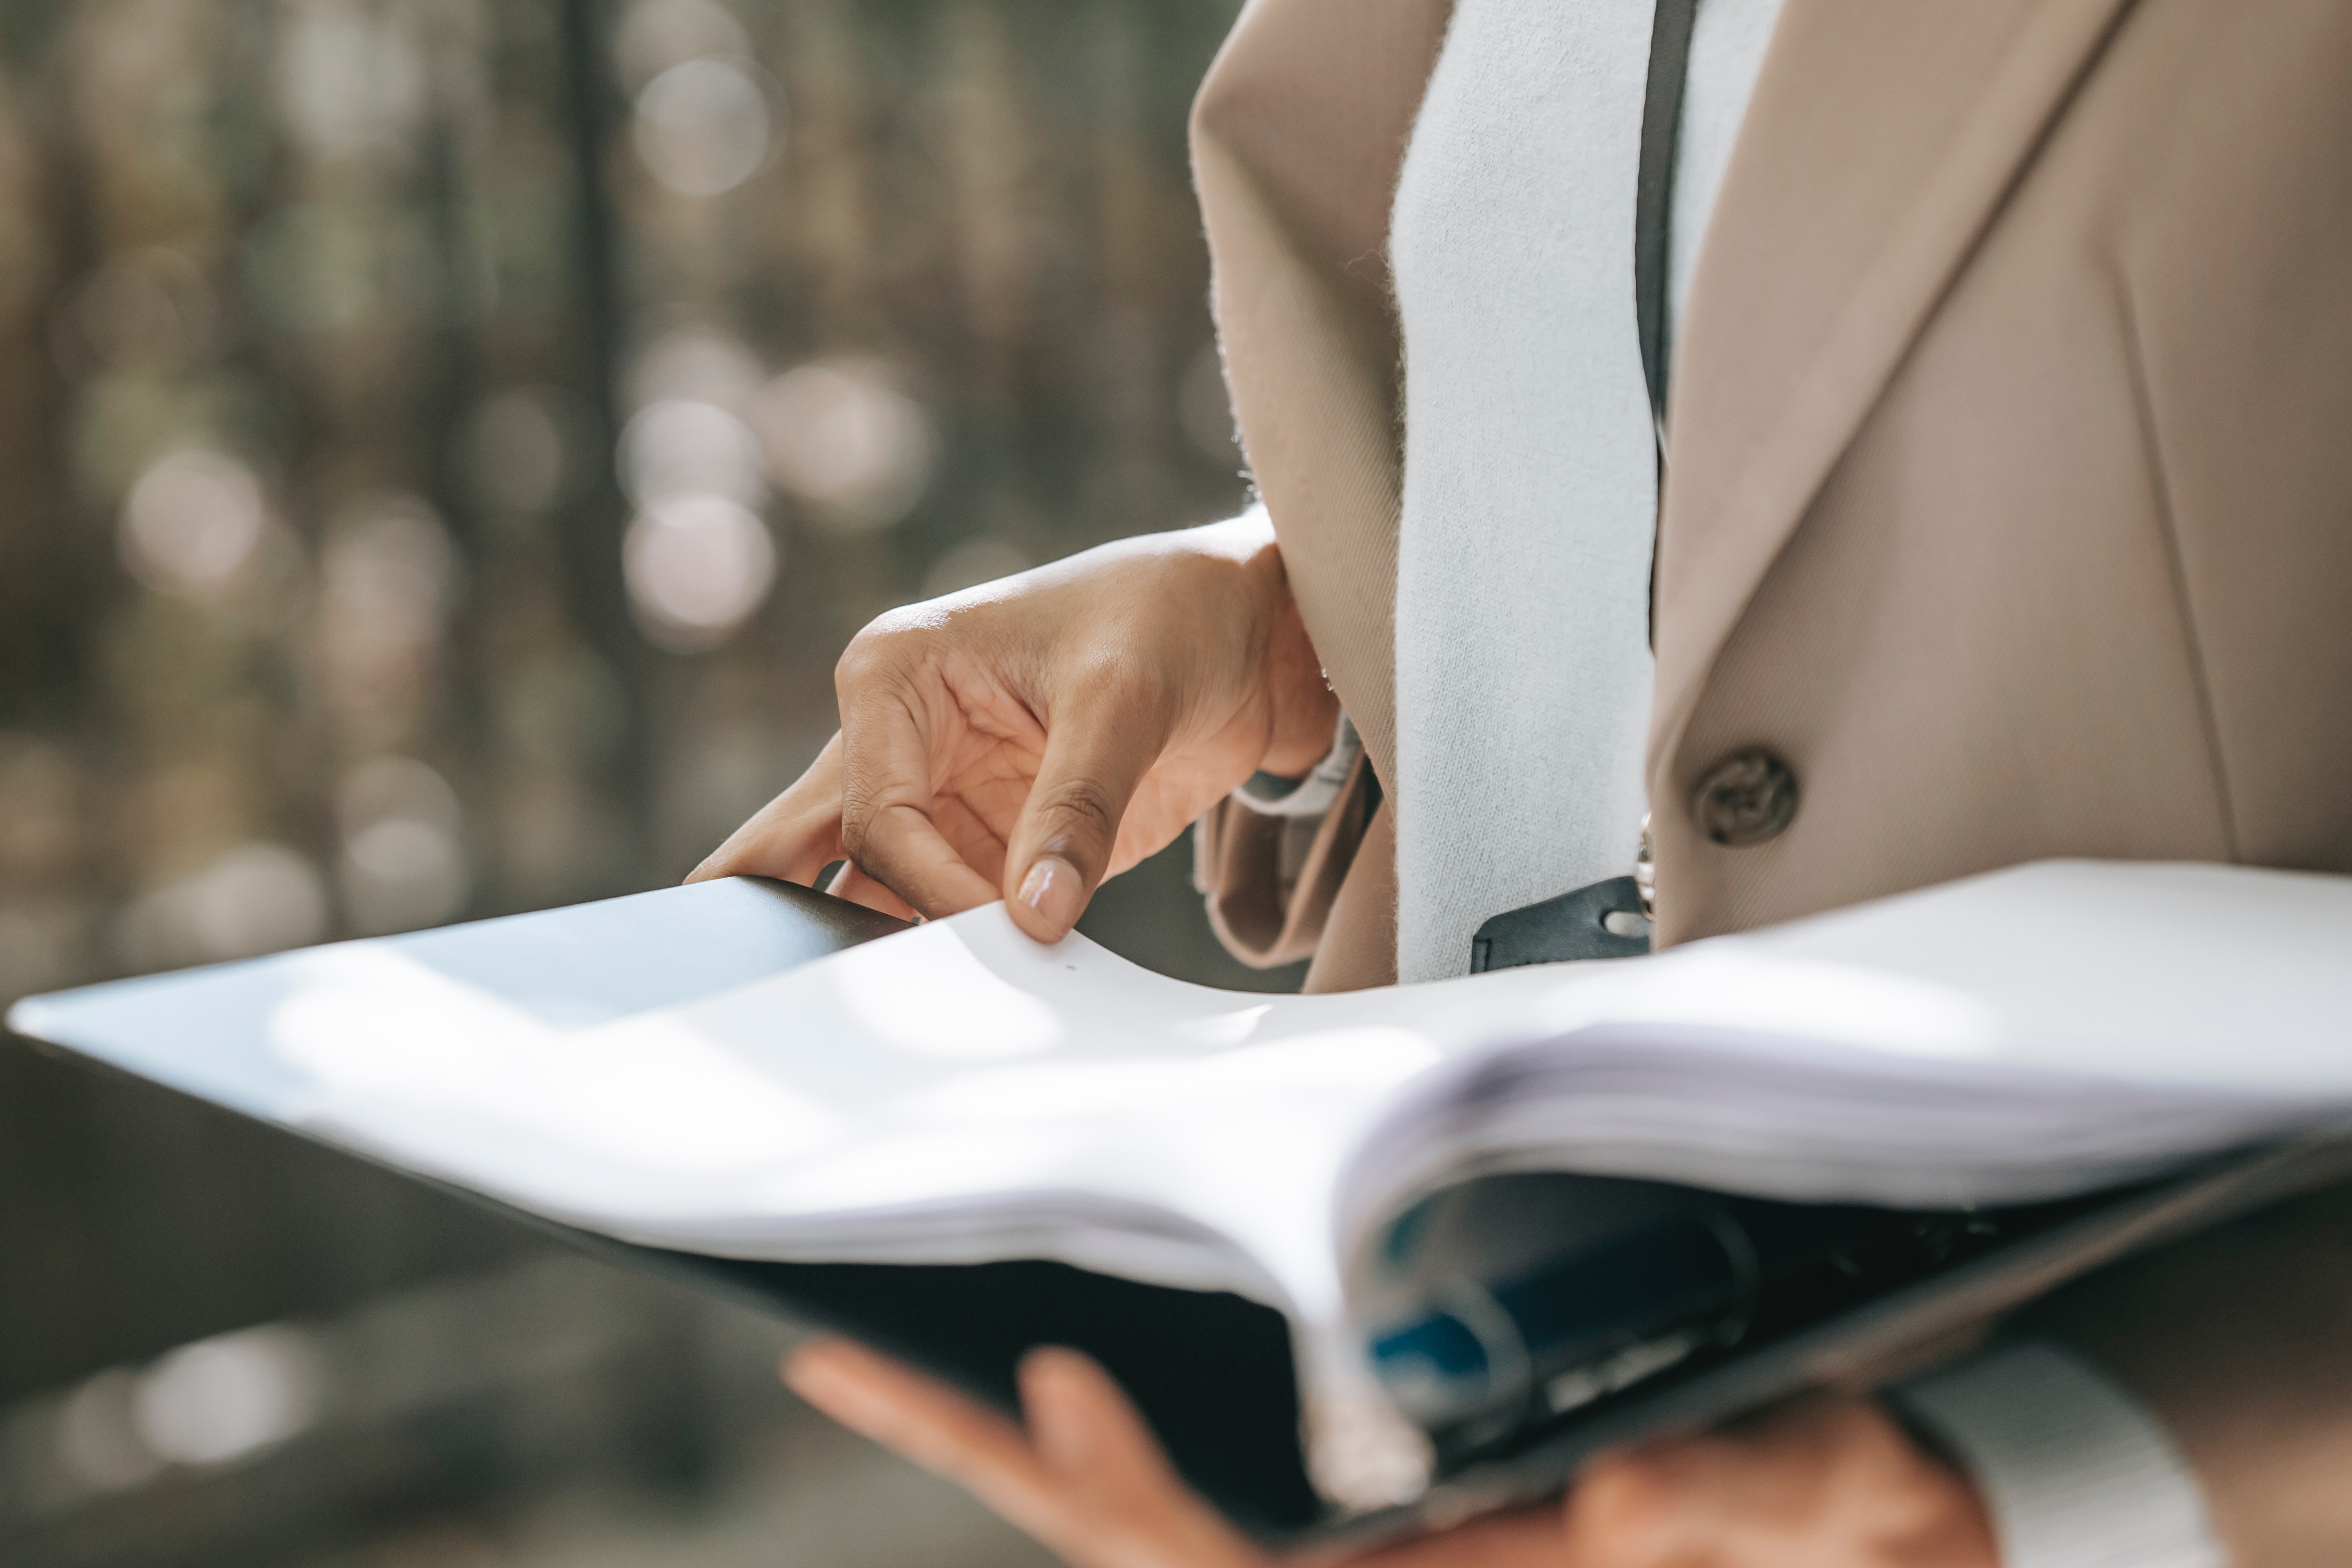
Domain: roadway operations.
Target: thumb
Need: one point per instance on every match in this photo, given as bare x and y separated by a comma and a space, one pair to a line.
1061, 846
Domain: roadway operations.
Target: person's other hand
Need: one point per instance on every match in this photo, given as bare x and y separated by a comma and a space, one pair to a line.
1827, 1482
1029, 737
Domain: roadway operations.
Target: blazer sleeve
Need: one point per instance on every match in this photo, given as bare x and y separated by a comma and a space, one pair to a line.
1298, 135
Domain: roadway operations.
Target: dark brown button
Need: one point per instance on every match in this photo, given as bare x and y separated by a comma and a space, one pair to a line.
1747, 798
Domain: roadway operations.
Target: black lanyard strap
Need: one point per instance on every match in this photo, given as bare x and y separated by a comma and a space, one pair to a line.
1611, 918
1653, 211
1653, 190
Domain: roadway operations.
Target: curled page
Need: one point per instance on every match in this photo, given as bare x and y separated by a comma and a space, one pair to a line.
2017, 1037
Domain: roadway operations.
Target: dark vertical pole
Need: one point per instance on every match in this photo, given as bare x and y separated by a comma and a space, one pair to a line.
592, 543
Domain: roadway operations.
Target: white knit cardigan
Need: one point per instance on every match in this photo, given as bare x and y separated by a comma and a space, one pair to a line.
1530, 497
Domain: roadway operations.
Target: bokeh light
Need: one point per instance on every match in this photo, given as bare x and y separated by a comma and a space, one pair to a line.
840, 433
697, 565
349, 83
680, 447
703, 127
221, 1399
253, 898
193, 525
404, 860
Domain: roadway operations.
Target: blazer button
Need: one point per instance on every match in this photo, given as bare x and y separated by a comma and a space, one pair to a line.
1747, 798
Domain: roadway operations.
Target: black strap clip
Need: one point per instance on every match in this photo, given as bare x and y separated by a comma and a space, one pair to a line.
1602, 921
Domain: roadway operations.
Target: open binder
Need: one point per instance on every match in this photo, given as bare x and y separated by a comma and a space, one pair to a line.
1359, 1259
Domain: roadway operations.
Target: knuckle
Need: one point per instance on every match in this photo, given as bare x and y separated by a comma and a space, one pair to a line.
894, 642
870, 654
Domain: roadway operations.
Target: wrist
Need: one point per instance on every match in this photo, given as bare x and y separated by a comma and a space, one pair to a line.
1302, 710
1229, 576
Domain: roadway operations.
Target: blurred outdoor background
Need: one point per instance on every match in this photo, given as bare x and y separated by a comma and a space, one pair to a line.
443, 446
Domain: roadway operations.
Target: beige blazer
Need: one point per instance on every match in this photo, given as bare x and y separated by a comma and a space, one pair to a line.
2011, 496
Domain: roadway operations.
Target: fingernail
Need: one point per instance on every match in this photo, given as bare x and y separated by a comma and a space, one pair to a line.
1050, 891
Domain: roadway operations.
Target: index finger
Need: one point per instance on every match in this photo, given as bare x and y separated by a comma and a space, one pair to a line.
793, 836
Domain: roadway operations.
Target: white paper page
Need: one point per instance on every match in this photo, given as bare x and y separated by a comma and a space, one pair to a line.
955, 1093
2029, 1035
952, 1093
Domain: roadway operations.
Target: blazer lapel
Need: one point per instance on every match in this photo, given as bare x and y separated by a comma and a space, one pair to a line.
1880, 143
